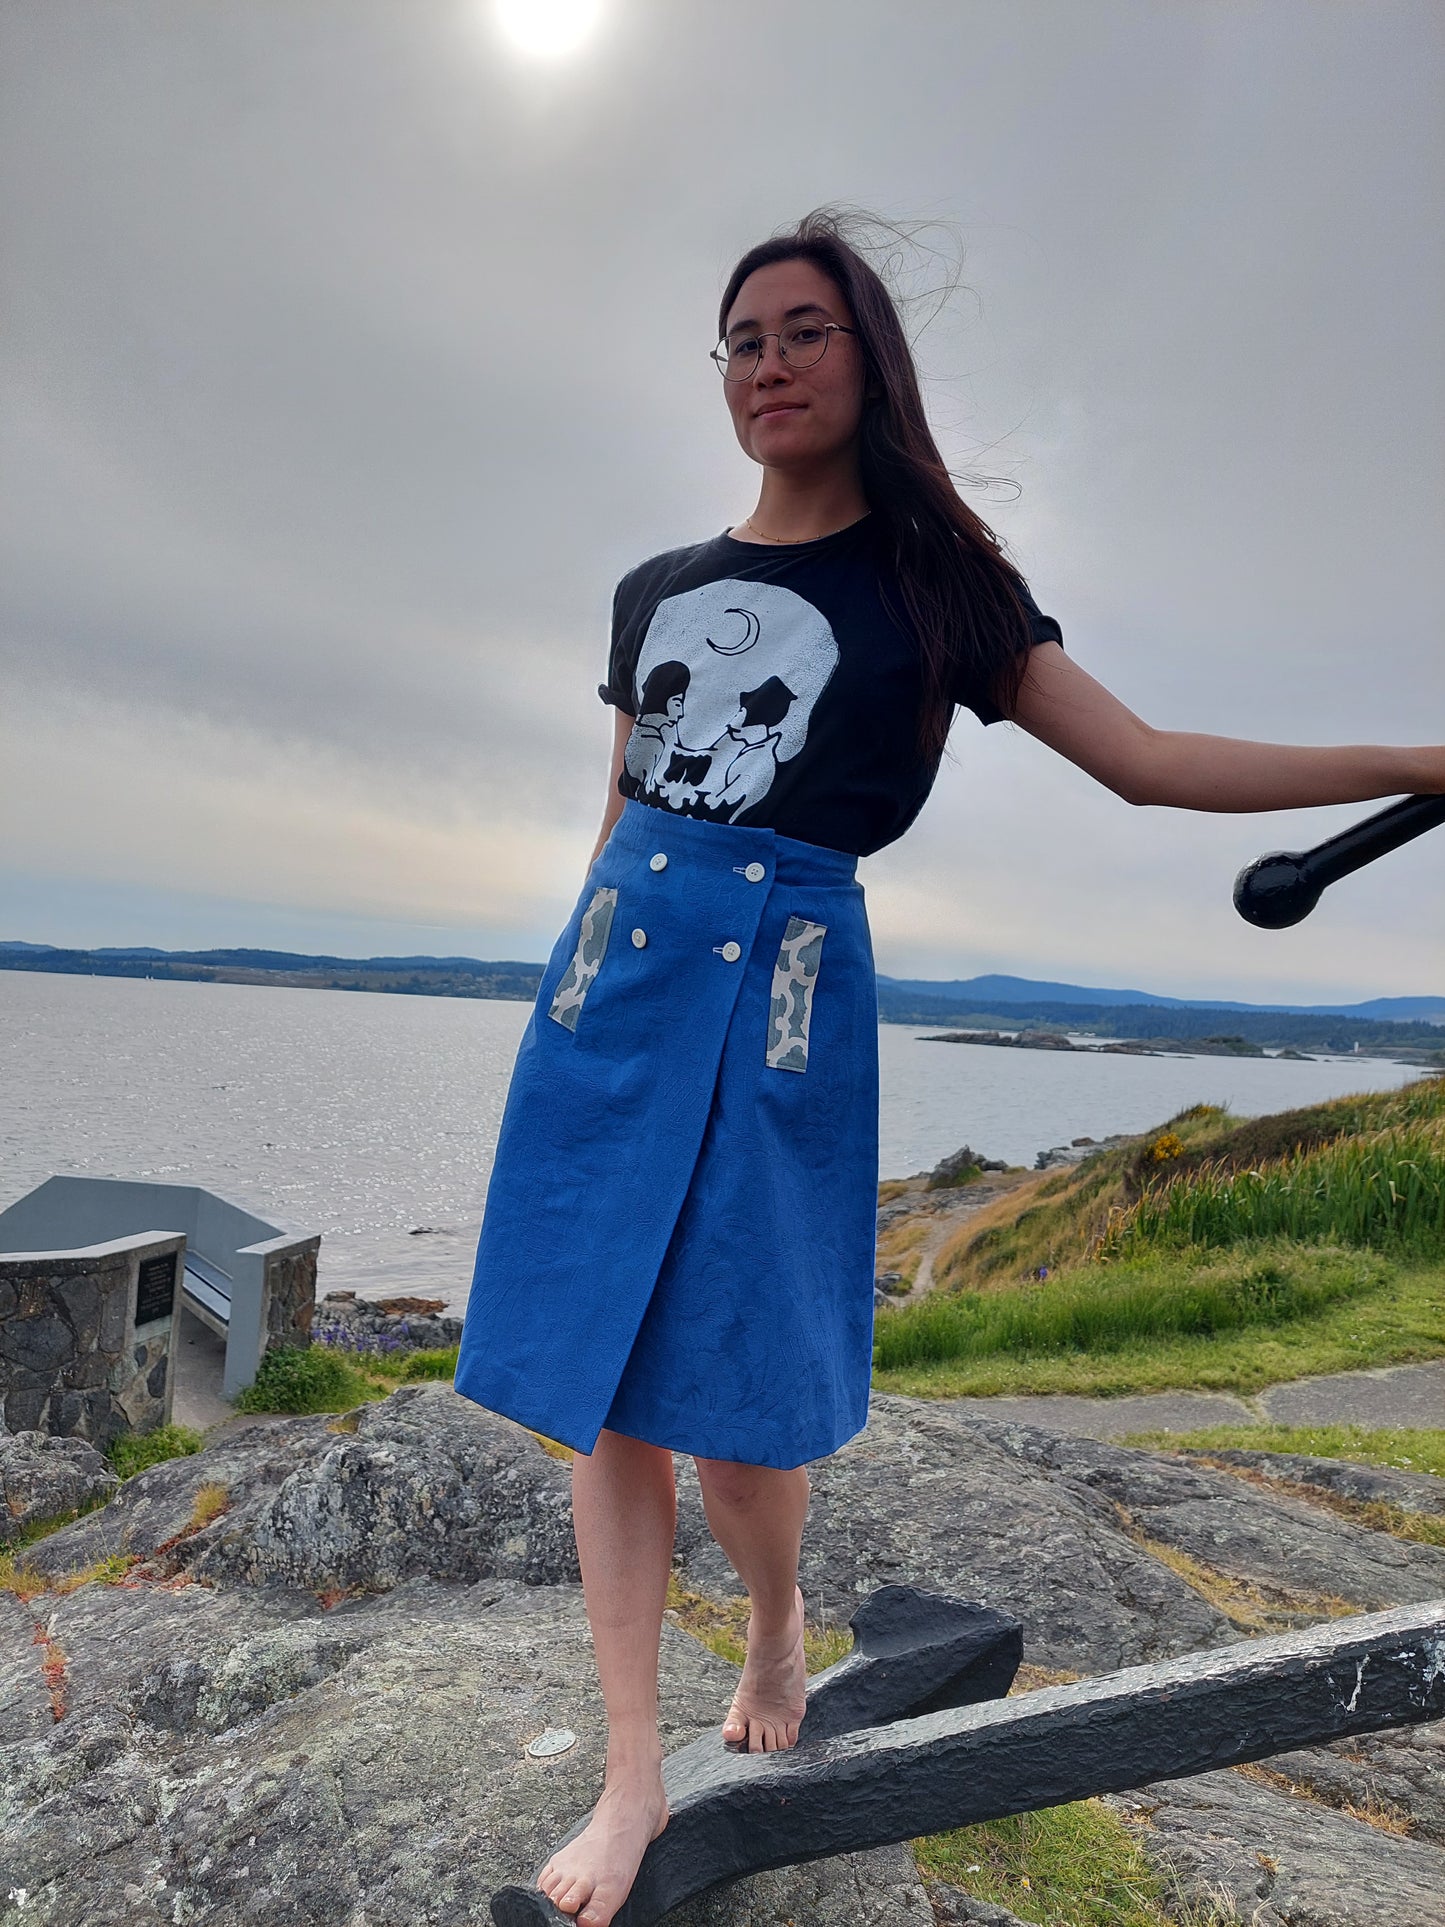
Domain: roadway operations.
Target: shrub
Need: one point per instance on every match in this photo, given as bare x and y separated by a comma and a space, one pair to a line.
132, 1452
309, 1378
441, 1363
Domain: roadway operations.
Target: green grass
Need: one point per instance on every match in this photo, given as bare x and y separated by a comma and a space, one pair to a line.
1400, 1448
441, 1363
1116, 1307
1385, 1192
1068, 1866
132, 1452
320, 1378
1401, 1321
310, 1379
1212, 1253
1331, 1169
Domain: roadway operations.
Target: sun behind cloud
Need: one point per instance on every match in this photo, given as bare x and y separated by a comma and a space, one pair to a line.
548, 28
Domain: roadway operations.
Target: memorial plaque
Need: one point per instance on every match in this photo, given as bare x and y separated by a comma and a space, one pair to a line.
155, 1289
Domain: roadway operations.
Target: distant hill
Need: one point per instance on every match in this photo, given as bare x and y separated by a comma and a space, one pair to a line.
1386, 1024
989, 992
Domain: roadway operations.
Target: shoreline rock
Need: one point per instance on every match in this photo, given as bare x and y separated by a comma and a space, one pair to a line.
359, 1324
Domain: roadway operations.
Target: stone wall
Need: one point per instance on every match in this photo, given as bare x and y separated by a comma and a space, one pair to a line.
290, 1294
72, 1362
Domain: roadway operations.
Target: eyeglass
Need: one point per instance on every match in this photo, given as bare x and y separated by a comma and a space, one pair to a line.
800, 344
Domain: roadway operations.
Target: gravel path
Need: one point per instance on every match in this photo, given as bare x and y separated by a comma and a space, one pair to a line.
1409, 1395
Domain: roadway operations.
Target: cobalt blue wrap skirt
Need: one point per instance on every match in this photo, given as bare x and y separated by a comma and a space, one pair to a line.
678, 1240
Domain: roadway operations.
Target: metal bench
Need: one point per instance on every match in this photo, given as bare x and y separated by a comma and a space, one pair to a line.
206, 1291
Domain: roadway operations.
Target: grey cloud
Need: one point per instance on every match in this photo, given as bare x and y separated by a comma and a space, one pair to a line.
351, 361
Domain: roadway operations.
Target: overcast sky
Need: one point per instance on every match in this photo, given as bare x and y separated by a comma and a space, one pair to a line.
351, 355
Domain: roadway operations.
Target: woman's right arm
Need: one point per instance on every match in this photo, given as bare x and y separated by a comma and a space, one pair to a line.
621, 730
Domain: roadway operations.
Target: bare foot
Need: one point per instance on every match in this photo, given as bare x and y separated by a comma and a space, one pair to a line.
592, 1875
768, 1706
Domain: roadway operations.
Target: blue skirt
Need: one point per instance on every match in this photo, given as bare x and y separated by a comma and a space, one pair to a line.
678, 1241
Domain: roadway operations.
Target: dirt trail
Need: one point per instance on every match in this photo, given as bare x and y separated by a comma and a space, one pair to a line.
944, 1211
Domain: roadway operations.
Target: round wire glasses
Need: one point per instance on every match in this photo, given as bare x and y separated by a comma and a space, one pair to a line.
800, 344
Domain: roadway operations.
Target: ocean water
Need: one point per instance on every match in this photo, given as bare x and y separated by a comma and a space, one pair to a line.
372, 1118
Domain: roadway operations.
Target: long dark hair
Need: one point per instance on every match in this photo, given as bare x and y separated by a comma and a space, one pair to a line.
961, 593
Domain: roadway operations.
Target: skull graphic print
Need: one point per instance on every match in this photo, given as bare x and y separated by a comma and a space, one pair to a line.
725, 684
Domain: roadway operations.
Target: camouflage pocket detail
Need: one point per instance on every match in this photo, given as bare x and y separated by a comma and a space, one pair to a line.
586, 959
794, 975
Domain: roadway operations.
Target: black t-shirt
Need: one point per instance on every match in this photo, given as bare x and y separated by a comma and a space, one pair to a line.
772, 687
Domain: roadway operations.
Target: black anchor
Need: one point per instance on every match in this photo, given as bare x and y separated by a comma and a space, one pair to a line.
1283, 886
914, 1652
913, 1732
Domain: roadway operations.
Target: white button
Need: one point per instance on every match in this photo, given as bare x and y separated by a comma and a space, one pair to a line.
755, 873
732, 951
639, 938
659, 862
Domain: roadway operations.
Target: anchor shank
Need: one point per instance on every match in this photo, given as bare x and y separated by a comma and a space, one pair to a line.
1374, 836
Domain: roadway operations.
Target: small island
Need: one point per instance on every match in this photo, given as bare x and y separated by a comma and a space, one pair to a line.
1232, 1046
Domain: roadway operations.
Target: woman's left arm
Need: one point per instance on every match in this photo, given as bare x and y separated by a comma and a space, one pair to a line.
1063, 706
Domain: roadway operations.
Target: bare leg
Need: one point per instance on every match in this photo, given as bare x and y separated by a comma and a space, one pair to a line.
756, 1514
624, 1508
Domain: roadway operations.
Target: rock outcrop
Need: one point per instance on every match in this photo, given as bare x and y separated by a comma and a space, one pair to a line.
307, 1695
44, 1476
1281, 1545
925, 1496
1222, 1841
239, 1756
425, 1482
1364, 1484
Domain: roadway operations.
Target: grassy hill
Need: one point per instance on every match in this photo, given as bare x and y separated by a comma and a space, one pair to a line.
1213, 1252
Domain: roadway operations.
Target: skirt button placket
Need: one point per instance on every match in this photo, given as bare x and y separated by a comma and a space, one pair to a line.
666, 1335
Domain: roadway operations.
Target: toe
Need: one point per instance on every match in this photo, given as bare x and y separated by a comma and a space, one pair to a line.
599, 1909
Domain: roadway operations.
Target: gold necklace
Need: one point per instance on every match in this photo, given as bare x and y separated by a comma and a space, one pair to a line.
792, 541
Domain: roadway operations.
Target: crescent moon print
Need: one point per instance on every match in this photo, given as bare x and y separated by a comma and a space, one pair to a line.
713, 731
750, 635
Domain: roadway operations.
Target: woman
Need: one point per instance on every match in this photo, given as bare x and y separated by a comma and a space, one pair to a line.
677, 1251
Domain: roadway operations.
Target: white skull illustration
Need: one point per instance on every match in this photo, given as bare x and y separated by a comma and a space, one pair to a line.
725, 684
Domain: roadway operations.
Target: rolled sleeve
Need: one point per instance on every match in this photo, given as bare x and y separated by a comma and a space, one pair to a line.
1042, 628
619, 699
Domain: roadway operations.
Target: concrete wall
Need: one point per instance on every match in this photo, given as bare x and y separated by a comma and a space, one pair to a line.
73, 1362
270, 1274
66, 1212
